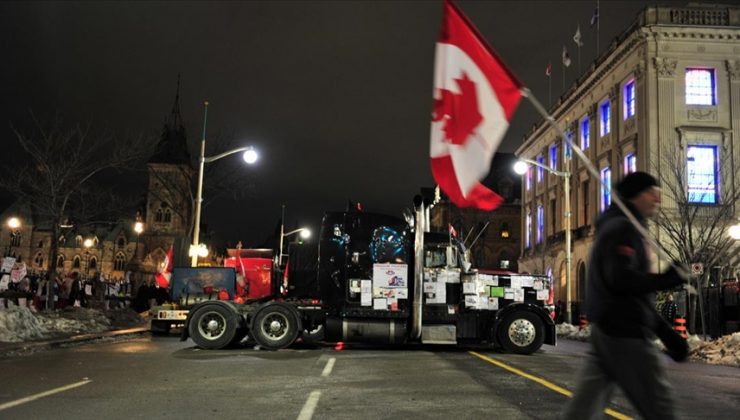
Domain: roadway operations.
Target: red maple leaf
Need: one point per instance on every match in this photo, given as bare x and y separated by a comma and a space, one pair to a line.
459, 111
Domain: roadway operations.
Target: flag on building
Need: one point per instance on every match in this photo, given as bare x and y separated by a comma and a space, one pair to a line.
577, 36
165, 270
566, 57
548, 70
453, 232
475, 96
595, 17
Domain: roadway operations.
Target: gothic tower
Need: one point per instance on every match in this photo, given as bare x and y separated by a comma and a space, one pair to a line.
168, 214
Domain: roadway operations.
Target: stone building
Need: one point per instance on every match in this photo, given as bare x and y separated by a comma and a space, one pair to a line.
497, 246
114, 248
668, 86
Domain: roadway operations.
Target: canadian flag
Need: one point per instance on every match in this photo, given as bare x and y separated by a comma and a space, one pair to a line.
475, 96
165, 270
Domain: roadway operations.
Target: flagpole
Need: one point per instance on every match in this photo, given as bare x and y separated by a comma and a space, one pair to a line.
595, 173
598, 23
549, 89
579, 61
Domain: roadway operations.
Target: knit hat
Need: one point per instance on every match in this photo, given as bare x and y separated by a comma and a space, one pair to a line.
633, 184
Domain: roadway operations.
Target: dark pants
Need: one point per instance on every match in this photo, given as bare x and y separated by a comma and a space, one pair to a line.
631, 363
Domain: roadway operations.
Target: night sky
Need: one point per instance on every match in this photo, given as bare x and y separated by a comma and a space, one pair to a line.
336, 95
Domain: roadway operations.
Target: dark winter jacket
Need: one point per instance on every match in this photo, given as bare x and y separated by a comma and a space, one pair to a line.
620, 293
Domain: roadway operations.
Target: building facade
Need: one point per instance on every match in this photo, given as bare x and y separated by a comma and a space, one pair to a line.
112, 249
665, 94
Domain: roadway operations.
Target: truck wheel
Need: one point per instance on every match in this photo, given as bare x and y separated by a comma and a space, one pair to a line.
275, 327
213, 327
521, 332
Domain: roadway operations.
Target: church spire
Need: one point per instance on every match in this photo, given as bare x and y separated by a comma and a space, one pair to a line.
173, 147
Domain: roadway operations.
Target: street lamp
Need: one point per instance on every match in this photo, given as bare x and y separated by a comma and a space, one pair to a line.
521, 167
14, 225
734, 231
88, 243
250, 156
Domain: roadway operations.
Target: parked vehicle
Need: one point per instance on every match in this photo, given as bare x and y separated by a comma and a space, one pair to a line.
376, 278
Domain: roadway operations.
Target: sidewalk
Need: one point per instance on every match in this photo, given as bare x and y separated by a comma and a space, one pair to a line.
24, 347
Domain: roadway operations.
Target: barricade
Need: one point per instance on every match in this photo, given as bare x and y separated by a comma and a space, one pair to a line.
679, 325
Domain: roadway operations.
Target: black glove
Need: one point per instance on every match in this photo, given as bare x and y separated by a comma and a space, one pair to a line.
676, 346
676, 275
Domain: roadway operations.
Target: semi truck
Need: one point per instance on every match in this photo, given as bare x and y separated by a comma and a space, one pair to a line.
375, 278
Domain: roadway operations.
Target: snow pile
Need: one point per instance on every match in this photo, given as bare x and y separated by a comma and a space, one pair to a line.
20, 324
573, 332
722, 351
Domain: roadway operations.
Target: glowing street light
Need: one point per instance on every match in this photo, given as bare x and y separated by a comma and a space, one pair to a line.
734, 231
250, 156
14, 223
521, 167
200, 250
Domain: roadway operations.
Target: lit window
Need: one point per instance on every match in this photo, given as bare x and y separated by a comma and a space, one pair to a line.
700, 87
605, 119
630, 163
528, 180
528, 228
120, 262
606, 194
585, 123
567, 150
504, 231
540, 223
701, 167
540, 171
629, 99
554, 157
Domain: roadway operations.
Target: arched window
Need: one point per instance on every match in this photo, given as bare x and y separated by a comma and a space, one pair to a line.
158, 215
121, 242
60, 260
167, 216
39, 260
76, 262
93, 263
61, 240
78, 241
119, 263
95, 241
504, 231
41, 244
15, 239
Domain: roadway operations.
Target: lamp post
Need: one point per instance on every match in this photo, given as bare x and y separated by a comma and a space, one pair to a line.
88, 243
250, 156
305, 234
14, 225
521, 167
138, 228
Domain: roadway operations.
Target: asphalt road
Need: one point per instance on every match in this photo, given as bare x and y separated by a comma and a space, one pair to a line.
163, 378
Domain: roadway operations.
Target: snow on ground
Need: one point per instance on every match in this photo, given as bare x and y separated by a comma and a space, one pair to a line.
19, 324
722, 351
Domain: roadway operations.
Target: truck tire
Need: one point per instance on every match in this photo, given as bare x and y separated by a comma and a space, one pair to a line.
213, 327
275, 327
521, 332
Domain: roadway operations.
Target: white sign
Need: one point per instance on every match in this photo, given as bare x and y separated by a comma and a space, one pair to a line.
8, 263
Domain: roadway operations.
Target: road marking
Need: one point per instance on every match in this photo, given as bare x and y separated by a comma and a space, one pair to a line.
30, 398
310, 405
328, 367
543, 382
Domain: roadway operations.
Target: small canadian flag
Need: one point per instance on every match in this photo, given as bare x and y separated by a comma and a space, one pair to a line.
453, 232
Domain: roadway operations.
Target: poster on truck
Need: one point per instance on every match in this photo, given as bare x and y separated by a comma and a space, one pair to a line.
390, 283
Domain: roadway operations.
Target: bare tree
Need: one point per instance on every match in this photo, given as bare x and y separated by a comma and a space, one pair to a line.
59, 169
695, 218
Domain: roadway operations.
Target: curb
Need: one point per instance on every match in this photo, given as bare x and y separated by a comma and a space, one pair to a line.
32, 346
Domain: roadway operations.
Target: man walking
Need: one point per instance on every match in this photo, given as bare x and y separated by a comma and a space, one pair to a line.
620, 303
